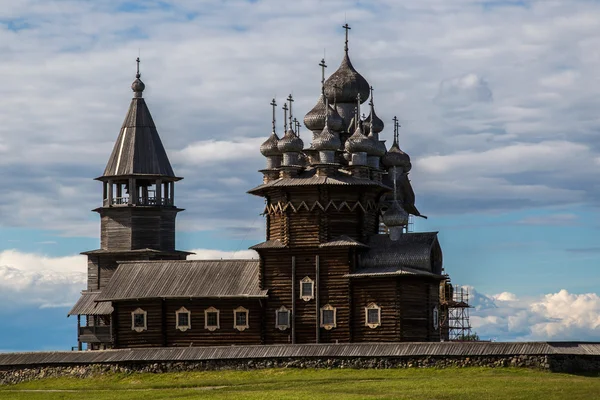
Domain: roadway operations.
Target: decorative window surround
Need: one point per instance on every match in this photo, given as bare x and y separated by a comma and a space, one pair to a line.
214, 324
240, 319
372, 316
436, 318
282, 318
307, 289
328, 317
139, 320
183, 319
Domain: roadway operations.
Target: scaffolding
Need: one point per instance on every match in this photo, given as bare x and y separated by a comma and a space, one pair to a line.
454, 315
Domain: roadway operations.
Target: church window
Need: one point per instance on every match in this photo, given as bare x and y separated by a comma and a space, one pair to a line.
372, 315
282, 317
183, 319
328, 317
211, 319
240, 319
139, 320
307, 289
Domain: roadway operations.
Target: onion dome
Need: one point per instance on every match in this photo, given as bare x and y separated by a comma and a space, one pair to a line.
359, 143
327, 140
395, 216
346, 83
397, 158
378, 147
315, 118
138, 86
373, 121
269, 147
290, 143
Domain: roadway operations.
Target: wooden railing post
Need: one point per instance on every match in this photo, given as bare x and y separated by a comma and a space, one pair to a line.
293, 321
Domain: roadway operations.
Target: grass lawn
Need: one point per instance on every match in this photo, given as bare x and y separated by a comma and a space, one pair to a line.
306, 384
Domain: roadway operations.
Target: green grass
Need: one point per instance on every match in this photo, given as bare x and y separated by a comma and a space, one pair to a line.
306, 384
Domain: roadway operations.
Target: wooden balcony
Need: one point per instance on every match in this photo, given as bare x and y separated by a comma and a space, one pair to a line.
95, 334
141, 201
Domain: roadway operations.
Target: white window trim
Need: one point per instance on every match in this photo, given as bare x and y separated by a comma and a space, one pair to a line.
372, 306
241, 328
139, 311
306, 279
436, 318
212, 327
285, 326
331, 308
183, 328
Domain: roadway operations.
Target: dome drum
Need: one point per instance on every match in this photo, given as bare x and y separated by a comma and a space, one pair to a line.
359, 158
346, 112
274, 162
291, 159
373, 161
327, 157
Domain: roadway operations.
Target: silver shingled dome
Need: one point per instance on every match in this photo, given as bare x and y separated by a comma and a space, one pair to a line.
290, 143
269, 147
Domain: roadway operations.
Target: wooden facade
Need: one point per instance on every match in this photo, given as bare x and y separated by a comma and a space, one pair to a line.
162, 330
325, 204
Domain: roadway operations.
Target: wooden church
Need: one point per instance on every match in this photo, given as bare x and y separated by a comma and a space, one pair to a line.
337, 265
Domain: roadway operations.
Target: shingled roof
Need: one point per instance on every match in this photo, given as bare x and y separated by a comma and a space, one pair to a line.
87, 305
138, 150
310, 178
184, 279
411, 250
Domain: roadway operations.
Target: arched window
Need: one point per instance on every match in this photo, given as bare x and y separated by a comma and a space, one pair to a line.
307, 289
139, 320
328, 317
183, 320
372, 315
211, 319
240, 319
282, 318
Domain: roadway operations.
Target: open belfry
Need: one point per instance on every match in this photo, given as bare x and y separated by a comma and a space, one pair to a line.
338, 263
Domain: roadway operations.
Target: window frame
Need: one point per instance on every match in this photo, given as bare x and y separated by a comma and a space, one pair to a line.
183, 328
138, 329
304, 280
283, 327
372, 306
328, 307
241, 328
436, 317
212, 328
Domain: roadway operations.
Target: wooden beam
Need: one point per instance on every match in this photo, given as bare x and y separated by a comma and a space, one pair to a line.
317, 310
293, 322
163, 315
79, 347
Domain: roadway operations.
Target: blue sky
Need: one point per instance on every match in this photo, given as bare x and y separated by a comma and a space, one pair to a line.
498, 103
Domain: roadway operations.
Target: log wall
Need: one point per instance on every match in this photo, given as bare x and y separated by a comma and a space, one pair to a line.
130, 228
162, 331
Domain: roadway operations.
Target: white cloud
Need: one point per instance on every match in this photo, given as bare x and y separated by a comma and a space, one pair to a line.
554, 316
211, 254
40, 281
464, 90
68, 68
36, 280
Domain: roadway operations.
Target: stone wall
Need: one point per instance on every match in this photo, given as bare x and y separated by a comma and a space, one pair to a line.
554, 363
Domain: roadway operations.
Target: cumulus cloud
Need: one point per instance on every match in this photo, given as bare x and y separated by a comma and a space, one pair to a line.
212, 254
514, 111
464, 90
554, 316
34, 280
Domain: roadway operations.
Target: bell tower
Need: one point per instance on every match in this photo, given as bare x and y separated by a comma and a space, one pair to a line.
138, 212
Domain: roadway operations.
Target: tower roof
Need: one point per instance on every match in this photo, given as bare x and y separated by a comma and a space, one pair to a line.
138, 149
